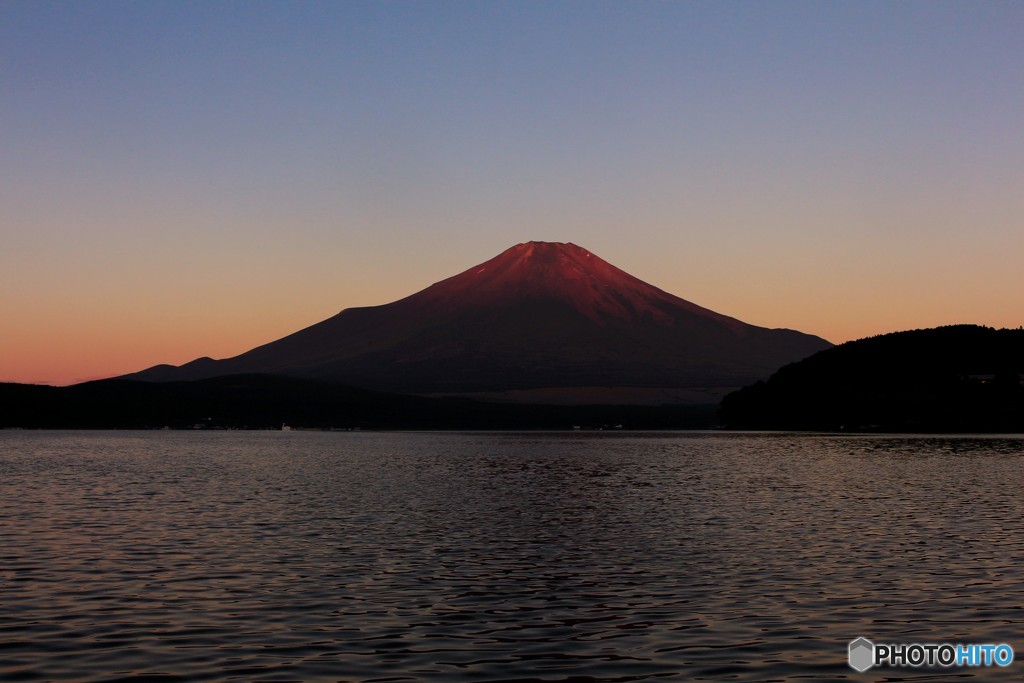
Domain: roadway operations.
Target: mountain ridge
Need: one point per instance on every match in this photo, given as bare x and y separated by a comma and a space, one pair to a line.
537, 316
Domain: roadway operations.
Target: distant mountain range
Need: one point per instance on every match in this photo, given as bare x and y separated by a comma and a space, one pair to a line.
948, 379
962, 378
543, 324
540, 322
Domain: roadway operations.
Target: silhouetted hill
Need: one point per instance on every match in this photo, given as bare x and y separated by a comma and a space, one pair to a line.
539, 320
947, 379
265, 401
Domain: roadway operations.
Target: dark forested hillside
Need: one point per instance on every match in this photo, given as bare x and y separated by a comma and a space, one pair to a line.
946, 379
265, 401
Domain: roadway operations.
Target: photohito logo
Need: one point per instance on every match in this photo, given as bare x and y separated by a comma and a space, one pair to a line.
863, 654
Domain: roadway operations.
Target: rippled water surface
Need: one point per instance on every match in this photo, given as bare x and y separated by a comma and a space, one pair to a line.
486, 557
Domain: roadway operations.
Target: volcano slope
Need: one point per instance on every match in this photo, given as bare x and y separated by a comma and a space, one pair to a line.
540, 322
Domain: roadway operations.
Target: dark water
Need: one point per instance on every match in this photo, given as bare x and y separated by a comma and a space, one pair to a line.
496, 557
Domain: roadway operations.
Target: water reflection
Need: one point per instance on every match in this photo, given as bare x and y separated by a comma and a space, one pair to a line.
483, 557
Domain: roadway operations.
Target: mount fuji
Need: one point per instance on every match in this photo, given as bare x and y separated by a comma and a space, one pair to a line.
540, 322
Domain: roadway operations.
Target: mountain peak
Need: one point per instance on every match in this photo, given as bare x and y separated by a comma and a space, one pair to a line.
541, 247
562, 273
536, 254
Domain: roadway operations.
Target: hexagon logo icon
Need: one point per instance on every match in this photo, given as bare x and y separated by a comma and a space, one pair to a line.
862, 654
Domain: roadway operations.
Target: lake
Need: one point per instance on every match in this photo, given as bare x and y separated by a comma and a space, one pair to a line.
316, 556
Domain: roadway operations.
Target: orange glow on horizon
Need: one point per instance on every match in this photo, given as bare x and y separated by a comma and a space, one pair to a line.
66, 343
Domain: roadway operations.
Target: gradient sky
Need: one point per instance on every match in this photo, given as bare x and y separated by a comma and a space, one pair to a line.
180, 179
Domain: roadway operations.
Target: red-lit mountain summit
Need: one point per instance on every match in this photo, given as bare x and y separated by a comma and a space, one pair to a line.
540, 321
